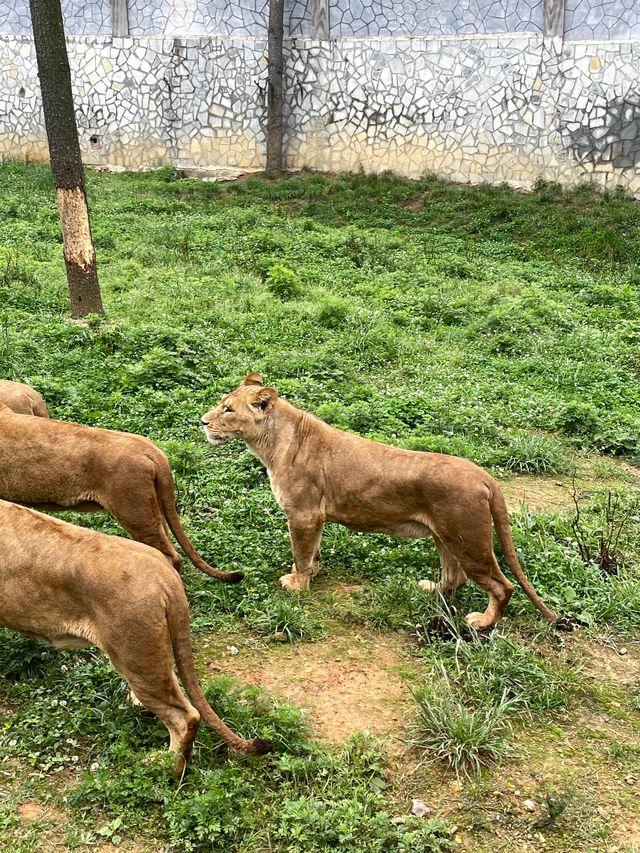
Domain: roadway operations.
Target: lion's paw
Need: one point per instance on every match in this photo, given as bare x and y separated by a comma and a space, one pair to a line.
428, 586
295, 582
133, 699
477, 621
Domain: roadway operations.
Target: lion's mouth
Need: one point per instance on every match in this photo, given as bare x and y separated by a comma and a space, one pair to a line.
214, 438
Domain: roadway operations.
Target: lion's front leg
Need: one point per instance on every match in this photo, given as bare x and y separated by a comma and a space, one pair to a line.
452, 576
305, 544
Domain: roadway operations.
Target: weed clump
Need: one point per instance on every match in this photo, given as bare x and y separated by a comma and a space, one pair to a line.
465, 739
283, 282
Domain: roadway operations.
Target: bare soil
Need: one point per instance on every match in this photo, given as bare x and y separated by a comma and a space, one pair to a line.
345, 684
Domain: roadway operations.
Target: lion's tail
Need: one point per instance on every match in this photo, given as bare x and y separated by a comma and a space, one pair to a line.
178, 622
164, 483
501, 523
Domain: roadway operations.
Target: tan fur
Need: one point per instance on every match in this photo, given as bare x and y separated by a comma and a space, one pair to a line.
319, 473
53, 465
73, 587
22, 399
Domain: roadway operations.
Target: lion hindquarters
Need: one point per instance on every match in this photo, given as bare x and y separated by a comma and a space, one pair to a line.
133, 502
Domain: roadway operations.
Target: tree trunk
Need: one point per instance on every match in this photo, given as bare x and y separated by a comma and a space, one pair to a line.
275, 88
66, 160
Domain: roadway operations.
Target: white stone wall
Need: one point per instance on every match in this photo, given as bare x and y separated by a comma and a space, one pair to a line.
488, 106
476, 109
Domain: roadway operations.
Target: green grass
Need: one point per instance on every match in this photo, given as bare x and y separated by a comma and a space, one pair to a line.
479, 321
466, 739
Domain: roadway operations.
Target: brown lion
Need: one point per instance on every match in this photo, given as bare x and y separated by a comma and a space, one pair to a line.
22, 399
73, 587
319, 473
53, 465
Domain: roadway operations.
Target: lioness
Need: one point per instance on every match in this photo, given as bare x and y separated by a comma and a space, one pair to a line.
22, 399
319, 473
54, 465
74, 587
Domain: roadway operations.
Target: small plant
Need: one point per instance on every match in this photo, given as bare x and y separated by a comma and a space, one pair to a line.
281, 619
332, 311
465, 739
606, 551
555, 804
283, 282
532, 454
578, 418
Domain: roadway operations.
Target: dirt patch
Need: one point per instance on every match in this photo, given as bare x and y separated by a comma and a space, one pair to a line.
31, 811
416, 204
345, 684
617, 663
537, 493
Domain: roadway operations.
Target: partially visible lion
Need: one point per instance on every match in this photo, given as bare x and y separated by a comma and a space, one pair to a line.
22, 399
53, 465
73, 587
319, 473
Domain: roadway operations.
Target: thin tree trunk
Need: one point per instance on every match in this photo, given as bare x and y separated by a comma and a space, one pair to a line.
275, 89
66, 160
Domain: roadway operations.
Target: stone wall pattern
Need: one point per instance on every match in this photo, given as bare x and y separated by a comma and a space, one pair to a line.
80, 18
433, 17
602, 19
189, 18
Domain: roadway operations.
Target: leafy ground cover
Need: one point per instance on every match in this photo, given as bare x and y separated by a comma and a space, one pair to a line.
472, 320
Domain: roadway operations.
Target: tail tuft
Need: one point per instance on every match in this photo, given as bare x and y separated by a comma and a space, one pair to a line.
231, 577
564, 624
259, 746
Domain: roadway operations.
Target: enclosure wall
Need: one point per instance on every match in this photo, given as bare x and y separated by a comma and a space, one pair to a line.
474, 90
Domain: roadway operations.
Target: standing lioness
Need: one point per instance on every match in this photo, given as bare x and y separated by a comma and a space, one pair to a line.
319, 473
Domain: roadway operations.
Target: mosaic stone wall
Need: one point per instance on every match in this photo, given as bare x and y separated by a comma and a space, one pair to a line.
81, 18
509, 110
495, 107
190, 18
584, 19
144, 103
609, 19
433, 17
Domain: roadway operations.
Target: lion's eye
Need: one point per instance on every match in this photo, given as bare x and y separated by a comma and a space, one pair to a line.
226, 410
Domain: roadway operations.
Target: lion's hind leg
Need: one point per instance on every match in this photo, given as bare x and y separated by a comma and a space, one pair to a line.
148, 669
140, 514
485, 571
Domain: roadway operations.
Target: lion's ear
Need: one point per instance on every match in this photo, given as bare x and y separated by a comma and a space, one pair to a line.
253, 379
263, 399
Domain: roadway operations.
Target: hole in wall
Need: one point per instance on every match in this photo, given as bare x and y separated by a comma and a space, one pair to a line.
21, 92
94, 141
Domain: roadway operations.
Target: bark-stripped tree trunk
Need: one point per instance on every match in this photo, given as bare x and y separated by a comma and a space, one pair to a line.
66, 160
275, 88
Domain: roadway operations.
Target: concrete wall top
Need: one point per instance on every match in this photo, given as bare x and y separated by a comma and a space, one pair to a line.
583, 19
602, 19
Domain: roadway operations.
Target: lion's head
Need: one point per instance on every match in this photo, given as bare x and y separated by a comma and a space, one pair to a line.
240, 413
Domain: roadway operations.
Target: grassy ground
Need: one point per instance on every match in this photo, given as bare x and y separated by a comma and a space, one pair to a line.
470, 320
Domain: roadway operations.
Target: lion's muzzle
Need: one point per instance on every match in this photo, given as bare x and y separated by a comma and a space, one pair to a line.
213, 437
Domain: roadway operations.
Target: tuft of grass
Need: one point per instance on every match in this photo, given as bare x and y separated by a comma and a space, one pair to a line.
486, 673
282, 619
466, 739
